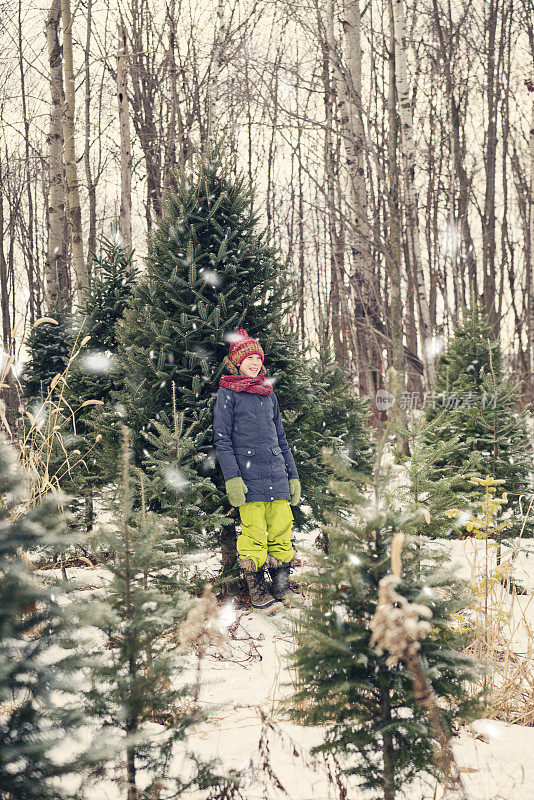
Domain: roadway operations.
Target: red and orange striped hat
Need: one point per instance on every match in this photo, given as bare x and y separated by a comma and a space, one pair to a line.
243, 346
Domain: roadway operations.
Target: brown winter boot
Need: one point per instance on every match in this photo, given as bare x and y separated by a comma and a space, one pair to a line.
259, 595
281, 588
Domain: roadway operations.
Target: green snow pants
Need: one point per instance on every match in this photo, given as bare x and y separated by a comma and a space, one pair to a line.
265, 528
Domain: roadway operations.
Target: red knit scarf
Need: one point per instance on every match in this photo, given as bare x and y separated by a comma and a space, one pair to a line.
257, 384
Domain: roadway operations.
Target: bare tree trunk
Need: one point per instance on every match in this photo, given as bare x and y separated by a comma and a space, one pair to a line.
30, 248
8, 391
525, 184
348, 96
91, 188
125, 216
71, 170
4, 289
301, 241
393, 259
488, 217
336, 245
523, 190
408, 149
458, 148
56, 268
530, 259
215, 93
352, 125
146, 80
175, 151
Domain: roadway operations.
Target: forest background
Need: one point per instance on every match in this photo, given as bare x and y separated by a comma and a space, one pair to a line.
391, 146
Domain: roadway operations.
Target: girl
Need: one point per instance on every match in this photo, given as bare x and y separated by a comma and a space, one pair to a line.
255, 460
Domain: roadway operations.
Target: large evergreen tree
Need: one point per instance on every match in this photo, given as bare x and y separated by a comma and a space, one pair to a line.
373, 721
96, 373
77, 438
481, 418
210, 271
38, 663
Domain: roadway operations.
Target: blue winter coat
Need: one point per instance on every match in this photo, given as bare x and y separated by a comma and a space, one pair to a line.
250, 442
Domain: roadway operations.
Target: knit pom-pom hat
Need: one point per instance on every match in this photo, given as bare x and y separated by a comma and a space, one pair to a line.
242, 346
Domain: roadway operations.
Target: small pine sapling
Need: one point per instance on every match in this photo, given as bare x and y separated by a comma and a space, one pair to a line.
430, 489
372, 718
174, 487
136, 681
474, 404
39, 666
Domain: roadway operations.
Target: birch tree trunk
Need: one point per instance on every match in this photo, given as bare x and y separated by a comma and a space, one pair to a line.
363, 281
56, 280
394, 258
216, 66
336, 255
176, 147
348, 96
458, 152
352, 125
146, 86
91, 187
4, 287
410, 199
530, 265
30, 250
488, 217
71, 171
125, 216
218, 51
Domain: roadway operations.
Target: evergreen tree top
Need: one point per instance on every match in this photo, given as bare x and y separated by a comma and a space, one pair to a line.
208, 223
210, 270
470, 356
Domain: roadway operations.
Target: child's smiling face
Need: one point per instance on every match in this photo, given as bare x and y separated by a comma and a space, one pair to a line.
251, 365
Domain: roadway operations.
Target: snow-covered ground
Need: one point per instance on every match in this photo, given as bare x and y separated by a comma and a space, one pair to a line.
250, 680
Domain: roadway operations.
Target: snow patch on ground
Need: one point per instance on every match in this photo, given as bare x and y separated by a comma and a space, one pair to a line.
237, 688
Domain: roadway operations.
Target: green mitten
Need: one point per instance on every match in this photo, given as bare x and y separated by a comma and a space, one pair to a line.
235, 489
294, 491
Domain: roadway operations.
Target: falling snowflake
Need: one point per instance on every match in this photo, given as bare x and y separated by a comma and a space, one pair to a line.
227, 615
434, 346
97, 362
201, 352
209, 462
211, 277
175, 478
450, 240
39, 414
17, 368
119, 239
